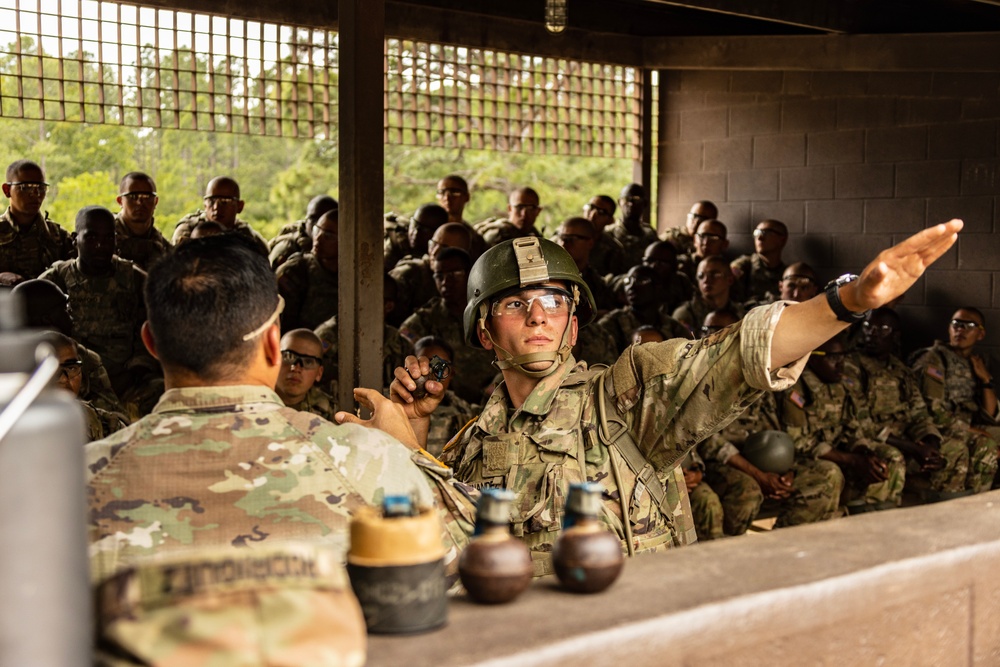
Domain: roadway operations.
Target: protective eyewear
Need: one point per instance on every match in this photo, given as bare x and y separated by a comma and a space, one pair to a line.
761, 233
306, 362
590, 208
221, 201
139, 197
448, 192
71, 369
963, 325
572, 238
552, 301
702, 236
38, 188
882, 329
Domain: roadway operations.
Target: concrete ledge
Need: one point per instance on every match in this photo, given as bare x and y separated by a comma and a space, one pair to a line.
914, 586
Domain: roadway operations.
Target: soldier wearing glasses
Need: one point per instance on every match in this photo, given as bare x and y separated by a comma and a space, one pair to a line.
522, 211
453, 195
758, 274
608, 256
631, 230
958, 388
137, 239
301, 369
100, 423
683, 237
222, 205
29, 241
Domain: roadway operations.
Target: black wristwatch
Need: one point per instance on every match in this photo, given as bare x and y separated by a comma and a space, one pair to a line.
837, 306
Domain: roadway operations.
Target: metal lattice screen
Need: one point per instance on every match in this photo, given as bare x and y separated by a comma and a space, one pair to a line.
109, 62
439, 95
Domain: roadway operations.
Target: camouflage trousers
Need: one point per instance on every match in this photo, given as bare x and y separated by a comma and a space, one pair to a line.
707, 511
951, 478
815, 495
889, 491
982, 444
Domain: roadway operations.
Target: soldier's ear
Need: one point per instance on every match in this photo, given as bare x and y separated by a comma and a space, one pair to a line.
147, 339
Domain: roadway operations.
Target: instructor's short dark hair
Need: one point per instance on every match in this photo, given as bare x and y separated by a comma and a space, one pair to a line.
203, 298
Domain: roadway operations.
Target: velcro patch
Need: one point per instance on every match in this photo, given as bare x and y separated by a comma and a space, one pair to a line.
935, 373
798, 399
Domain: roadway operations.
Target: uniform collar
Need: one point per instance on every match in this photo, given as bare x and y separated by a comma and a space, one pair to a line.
228, 398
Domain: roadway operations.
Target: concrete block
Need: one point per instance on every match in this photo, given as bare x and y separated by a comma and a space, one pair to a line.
701, 124
684, 101
806, 183
965, 84
856, 181
792, 213
667, 189
860, 112
729, 99
669, 127
996, 289
669, 81
838, 84
988, 107
694, 187
756, 82
704, 80
978, 252
735, 215
980, 177
779, 150
813, 249
885, 216
670, 214
951, 288
808, 115
739, 244
938, 178
754, 119
905, 84
796, 83
852, 252
753, 185
683, 156
996, 214
923, 324
968, 139
918, 111
729, 154
976, 212
835, 147
896, 144
835, 217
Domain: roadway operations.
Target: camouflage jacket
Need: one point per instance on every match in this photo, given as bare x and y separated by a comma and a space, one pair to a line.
497, 231
821, 417
448, 419
761, 416
96, 385
692, 313
949, 387
473, 365
894, 401
754, 279
633, 244
291, 239
142, 250
183, 230
394, 350
621, 323
683, 241
595, 346
317, 402
415, 283
604, 295
395, 241
108, 311
101, 423
232, 467
669, 395
671, 296
28, 251
608, 258
309, 290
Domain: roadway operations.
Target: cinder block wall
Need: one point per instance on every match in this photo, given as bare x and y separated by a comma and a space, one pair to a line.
852, 162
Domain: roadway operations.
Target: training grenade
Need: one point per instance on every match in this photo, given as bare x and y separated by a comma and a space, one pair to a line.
396, 567
587, 557
770, 451
495, 567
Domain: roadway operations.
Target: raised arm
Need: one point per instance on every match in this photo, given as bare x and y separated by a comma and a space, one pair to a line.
804, 326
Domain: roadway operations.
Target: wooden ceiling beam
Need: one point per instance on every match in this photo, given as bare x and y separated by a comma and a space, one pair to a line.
833, 17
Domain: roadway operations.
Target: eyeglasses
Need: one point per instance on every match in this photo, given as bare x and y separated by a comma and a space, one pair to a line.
638, 282
524, 208
634, 199
306, 362
760, 233
447, 192
882, 329
699, 217
590, 208
963, 325
221, 201
704, 236
798, 283
139, 197
417, 226
441, 276
552, 301
710, 274
71, 369
38, 188
572, 238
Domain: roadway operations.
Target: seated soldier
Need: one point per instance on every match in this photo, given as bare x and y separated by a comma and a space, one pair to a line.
29, 241
757, 275
105, 293
454, 412
958, 388
523, 207
634, 233
453, 196
647, 333
829, 410
203, 229
221, 462
715, 279
577, 236
709, 241
643, 308
608, 256
413, 275
308, 282
706, 507
798, 283
297, 236
301, 369
137, 238
682, 237
717, 320
99, 423
222, 205
672, 287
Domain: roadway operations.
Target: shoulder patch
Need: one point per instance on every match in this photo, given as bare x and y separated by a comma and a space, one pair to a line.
849, 382
797, 398
936, 373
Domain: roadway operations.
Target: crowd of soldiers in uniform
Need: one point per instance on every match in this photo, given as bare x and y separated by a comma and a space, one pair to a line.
865, 424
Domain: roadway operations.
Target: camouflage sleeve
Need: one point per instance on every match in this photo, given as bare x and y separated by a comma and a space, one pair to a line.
919, 419
53, 275
717, 448
413, 328
293, 281
684, 315
456, 505
182, 231
930, 370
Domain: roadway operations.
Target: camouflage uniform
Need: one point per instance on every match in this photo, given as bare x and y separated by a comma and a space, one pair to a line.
318, 402
604, 296
595, 346
669, 396
621, 323
754, 278
100, 423
96, 385
816, 485
952, 393
497, 231
141, 250
183, 230
633, 244
415, 282
692, 313
448, 419
896, 408
291, 239
706, 508
395, 239
683, 241
28, 251
394, 351
310, 292
670, 296
473, 365
232, 467
608, 257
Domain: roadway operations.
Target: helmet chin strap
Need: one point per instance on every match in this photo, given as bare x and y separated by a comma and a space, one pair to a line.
556, 359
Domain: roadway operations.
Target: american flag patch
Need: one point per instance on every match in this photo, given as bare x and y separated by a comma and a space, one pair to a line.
849, 382
798, 399
935, 373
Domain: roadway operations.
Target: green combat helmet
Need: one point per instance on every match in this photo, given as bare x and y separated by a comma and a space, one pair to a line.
770, 451
515, 265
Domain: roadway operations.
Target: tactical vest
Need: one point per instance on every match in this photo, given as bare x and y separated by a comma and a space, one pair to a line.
30, 252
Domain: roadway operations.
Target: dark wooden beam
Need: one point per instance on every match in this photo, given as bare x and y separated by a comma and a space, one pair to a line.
642, 169
814, 14
966, 52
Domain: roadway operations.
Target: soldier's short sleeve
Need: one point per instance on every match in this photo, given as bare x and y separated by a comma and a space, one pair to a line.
755, 346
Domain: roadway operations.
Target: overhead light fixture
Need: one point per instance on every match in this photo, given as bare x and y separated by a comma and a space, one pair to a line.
555, 15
